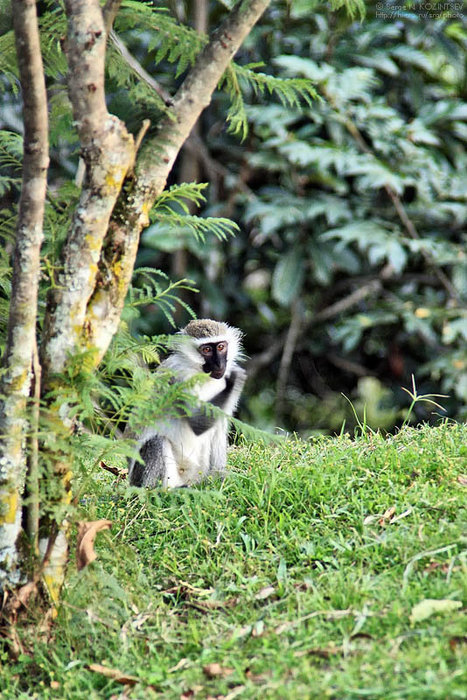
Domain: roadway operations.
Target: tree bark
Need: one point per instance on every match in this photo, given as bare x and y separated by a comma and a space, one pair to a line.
16, 380
108, 152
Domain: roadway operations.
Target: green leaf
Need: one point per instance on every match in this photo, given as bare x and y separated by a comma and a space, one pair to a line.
288, 277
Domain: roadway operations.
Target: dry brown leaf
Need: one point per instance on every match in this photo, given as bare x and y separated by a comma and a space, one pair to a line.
181, 664
368, 519
258, 629
323, 653
207, 605
215, 670
462, 479
191, 692
433, 565
387, 515
187, 695
256, 677
401, 515
455, 642
114, 673
87, 532
120, 472
22, 596
242, 631
265, 592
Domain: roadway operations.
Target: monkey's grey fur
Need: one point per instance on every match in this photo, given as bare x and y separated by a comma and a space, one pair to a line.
181, 451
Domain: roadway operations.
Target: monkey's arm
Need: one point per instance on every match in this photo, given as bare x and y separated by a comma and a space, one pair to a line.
200, 421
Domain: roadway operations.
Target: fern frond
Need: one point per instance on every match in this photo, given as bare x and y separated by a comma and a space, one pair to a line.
291, 92
165, 213
8, 64
126, 348
180, 195
151, 291
123, 75
353, 7
8, 219
171, 40
6, 183
11, 150
200, 226
236, 116
62, 128
53, 27
250, 433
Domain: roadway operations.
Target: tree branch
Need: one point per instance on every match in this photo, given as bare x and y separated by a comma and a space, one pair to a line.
152, 168
286, 359
16, 380
136, 66
110, 11
347, 302
331, 311
108, 151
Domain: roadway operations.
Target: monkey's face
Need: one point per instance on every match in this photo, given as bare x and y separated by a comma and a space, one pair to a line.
215, 358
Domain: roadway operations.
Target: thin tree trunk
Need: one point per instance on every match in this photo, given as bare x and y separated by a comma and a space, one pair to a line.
16, 380
286, 359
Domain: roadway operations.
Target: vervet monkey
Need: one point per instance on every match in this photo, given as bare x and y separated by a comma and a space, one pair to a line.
182, 451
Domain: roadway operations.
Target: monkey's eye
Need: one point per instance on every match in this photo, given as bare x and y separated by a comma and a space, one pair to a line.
221, 347
206, 350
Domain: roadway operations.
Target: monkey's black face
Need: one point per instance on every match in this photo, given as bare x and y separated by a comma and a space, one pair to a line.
215, 358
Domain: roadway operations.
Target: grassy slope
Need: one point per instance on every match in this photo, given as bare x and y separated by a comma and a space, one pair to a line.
286, 575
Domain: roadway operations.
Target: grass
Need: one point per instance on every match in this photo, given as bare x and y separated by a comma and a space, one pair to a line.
294, 578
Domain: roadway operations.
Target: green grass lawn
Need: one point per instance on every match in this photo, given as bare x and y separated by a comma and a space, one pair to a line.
294, 578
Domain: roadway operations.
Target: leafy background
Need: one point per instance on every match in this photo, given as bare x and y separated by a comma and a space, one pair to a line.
332, 230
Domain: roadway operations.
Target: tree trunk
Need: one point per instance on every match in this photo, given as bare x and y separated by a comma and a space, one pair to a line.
108, 151
16, 380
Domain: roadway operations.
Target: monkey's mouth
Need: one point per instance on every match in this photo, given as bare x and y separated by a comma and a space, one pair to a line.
217, 374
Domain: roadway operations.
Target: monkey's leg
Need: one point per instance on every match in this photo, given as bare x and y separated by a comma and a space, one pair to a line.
151, 471
160, 467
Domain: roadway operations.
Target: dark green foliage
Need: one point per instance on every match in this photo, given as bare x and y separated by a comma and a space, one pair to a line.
357, 201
